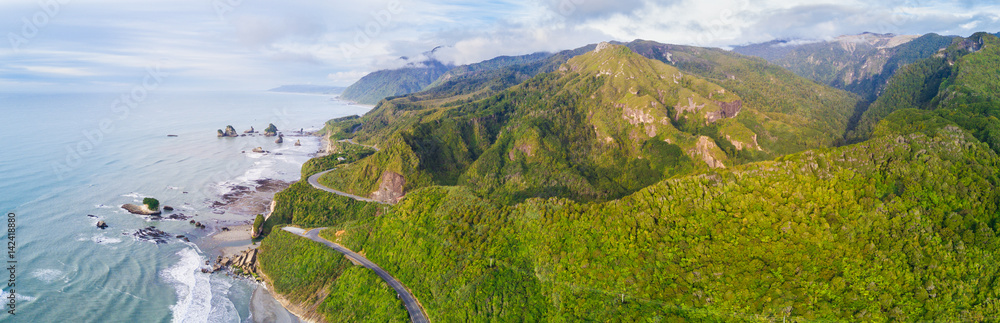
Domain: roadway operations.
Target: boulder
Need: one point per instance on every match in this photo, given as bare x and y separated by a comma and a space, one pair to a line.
102, 225
168, 208
249, 131
140, 210
298, 143
281, 139
259, 150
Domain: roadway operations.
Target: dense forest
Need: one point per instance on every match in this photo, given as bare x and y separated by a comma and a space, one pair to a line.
582, 192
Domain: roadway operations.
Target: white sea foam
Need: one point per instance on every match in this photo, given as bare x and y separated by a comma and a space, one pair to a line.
47, 275
134, 195
193, 288
100, 239
19, 297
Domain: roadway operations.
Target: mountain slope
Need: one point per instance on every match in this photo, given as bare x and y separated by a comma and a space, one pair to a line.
861, 63
960, 84
898, 228
376, 86
607, 123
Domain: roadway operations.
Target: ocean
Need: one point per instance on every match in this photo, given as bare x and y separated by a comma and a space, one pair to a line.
70, 160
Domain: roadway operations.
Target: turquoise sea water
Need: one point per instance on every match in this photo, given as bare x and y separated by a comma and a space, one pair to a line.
66, 156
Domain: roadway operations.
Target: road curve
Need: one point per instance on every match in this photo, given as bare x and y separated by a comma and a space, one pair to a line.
412, 307
314, 181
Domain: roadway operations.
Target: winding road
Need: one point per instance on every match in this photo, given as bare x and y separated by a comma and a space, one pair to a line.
314, 181
412, 306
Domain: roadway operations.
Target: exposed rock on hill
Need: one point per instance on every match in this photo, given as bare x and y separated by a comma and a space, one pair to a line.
390, 188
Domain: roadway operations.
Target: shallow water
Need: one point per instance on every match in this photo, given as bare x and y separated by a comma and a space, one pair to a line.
61, 164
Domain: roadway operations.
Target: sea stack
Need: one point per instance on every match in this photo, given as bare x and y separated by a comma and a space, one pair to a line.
249, 131
271, 130
281, 139
298, 143
230, 132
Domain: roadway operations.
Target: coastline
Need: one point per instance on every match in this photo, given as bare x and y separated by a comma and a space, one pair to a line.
231, 238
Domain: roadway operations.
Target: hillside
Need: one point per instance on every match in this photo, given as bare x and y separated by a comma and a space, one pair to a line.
902, 227
959, 84
606, 124
651, 182
862, 64
378, 85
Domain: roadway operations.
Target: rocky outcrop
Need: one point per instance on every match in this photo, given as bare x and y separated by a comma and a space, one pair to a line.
726, 110
250, 131
152, 234
140, 210
281, 139
690, 107
298, 143
168, 208
102, 225
230, 132
259, 150
271, 130
707, 150
390, 188
245, 261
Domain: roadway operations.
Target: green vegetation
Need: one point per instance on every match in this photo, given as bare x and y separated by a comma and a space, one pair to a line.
581, 133
303, 205
151, 203
271, 129
344, 153
257, 222
897, 228
959, 84
297, 268
586, 194
342, 128
862, 64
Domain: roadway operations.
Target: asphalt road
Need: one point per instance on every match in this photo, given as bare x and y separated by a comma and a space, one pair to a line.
412, 307
314, 181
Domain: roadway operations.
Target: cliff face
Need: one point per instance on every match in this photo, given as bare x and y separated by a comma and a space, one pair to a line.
390, 188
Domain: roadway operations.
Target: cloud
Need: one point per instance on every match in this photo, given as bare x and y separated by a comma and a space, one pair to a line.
261, 44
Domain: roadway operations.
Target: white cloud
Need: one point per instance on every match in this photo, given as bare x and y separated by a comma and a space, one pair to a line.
260, 44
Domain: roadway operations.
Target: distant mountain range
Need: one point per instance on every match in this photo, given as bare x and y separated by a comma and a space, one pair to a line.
308, 88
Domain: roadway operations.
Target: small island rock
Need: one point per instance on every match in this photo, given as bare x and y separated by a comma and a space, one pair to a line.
102, 225
230, 132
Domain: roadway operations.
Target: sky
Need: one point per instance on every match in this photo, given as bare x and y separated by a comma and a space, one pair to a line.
92, 45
